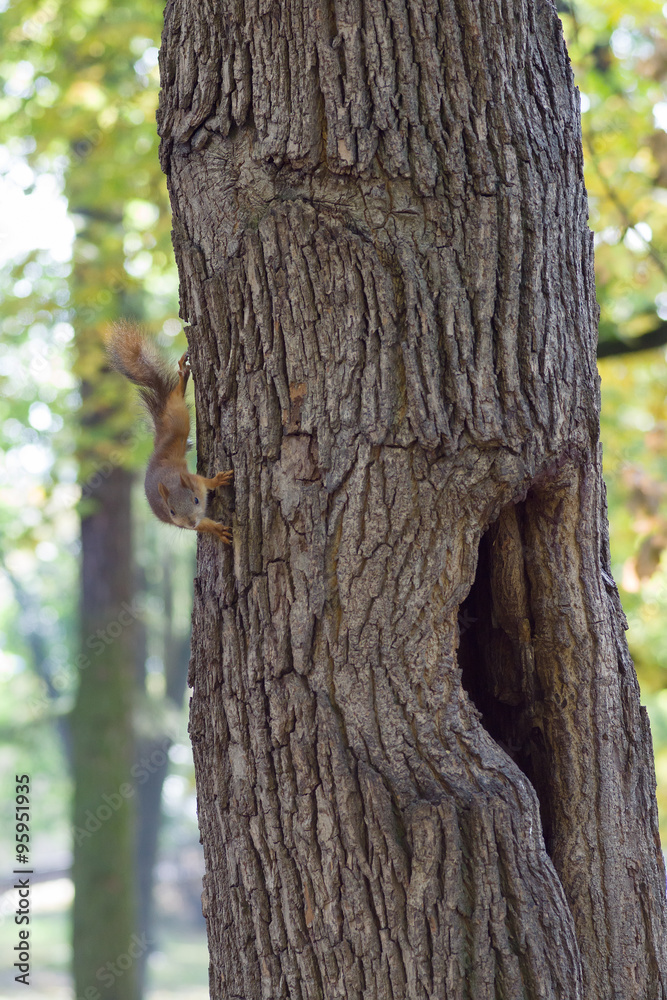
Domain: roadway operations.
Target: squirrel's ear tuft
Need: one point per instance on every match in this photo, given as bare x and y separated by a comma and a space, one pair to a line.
163, 491
186, 481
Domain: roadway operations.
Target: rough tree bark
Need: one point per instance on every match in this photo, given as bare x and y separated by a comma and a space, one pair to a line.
423, 769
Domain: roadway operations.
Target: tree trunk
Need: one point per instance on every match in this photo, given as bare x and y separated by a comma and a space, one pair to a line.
107, 950
153, 750
423, 769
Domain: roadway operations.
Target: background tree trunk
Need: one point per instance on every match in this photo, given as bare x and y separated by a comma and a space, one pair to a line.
423, 770
103, 866
154, 746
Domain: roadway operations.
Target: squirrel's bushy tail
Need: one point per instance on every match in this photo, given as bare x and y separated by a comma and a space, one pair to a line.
138, 359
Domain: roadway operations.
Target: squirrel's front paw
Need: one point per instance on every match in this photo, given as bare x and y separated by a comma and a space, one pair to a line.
184, 364
224, 533
222, 478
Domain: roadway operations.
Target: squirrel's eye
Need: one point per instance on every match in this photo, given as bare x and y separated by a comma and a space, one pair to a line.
173, 513
196, 499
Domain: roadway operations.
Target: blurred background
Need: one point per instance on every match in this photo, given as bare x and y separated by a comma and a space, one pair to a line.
94, 593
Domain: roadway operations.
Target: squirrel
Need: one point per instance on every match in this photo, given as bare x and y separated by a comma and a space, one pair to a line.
175, 495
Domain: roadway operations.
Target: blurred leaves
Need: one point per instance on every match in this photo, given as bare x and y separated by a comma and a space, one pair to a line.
78, 93
80, 79
619, 58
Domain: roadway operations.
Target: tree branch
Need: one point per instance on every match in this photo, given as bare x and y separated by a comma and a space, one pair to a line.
646, 342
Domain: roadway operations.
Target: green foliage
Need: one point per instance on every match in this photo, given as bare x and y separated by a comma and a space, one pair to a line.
619, 57
81, 80
78, 93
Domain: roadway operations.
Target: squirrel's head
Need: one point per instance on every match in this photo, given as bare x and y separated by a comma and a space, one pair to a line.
185, 504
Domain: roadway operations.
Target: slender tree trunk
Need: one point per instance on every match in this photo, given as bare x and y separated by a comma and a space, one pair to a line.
153, 753
107, 948
422, 766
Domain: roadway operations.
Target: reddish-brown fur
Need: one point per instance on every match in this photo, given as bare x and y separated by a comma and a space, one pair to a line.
175, 495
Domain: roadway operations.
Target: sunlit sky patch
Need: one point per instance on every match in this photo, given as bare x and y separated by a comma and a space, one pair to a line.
33, 219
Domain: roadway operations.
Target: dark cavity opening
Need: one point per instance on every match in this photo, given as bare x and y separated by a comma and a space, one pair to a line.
497, 647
